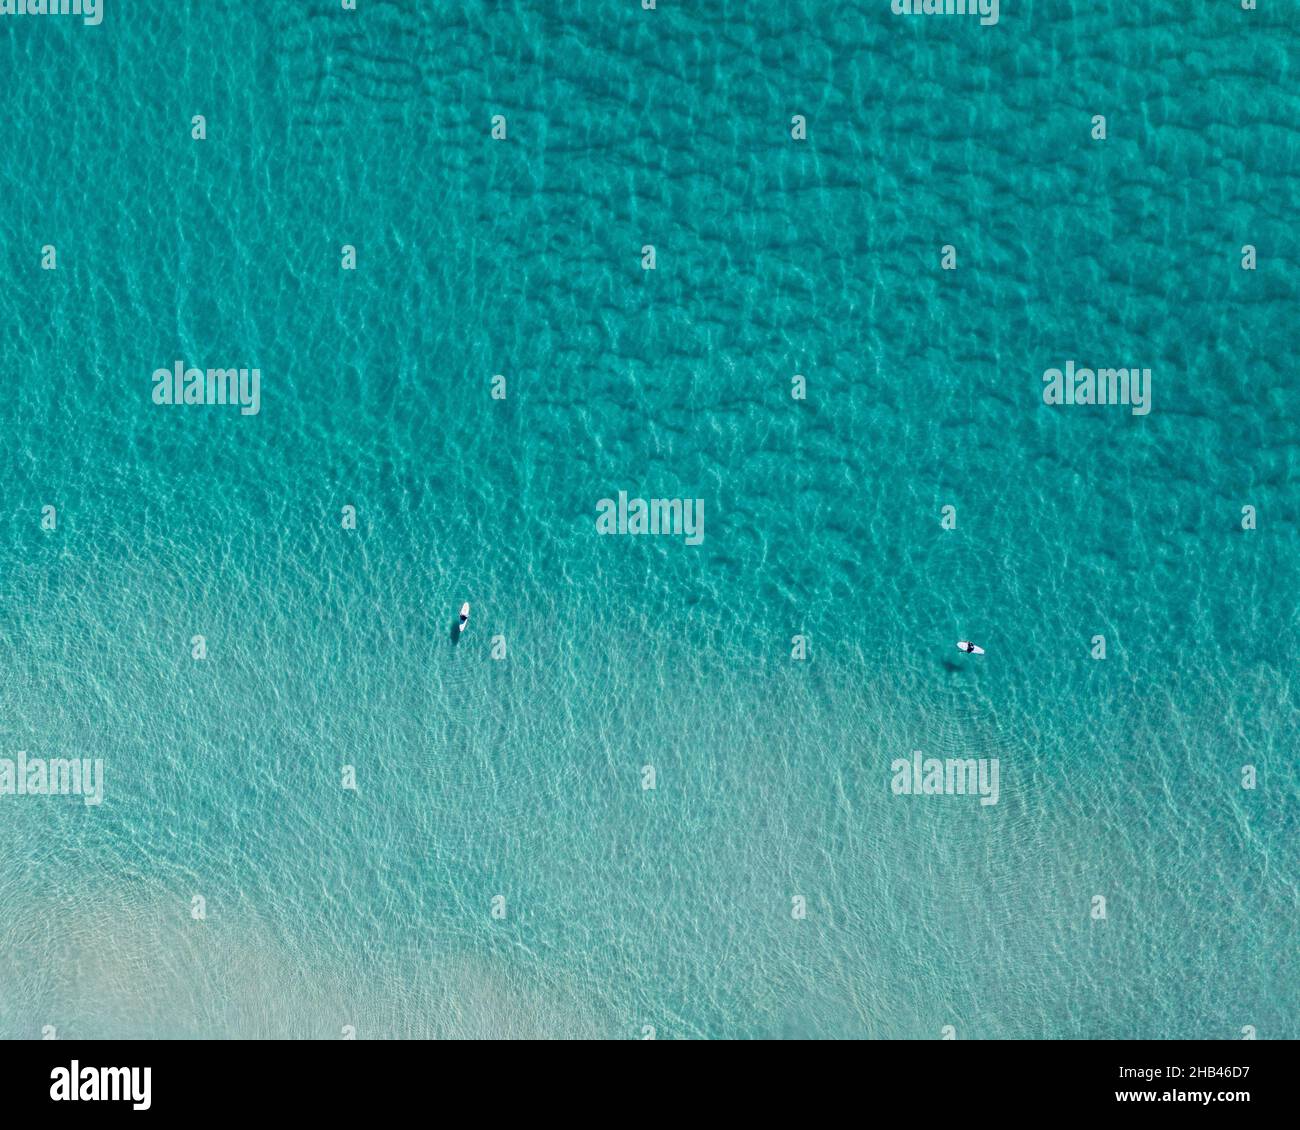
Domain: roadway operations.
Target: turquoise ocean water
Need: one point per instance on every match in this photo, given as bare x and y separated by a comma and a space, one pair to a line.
522, 777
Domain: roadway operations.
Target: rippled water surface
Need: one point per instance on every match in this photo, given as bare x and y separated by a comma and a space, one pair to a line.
523, 777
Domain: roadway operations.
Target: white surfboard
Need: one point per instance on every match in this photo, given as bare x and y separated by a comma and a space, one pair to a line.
464, 615
969, 648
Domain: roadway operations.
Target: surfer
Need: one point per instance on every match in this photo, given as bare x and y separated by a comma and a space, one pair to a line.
969, 648
464, 615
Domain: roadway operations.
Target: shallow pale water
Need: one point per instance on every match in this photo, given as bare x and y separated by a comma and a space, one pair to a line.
522, 777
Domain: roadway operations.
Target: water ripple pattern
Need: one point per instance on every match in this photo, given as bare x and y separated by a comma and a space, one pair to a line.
501, 868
